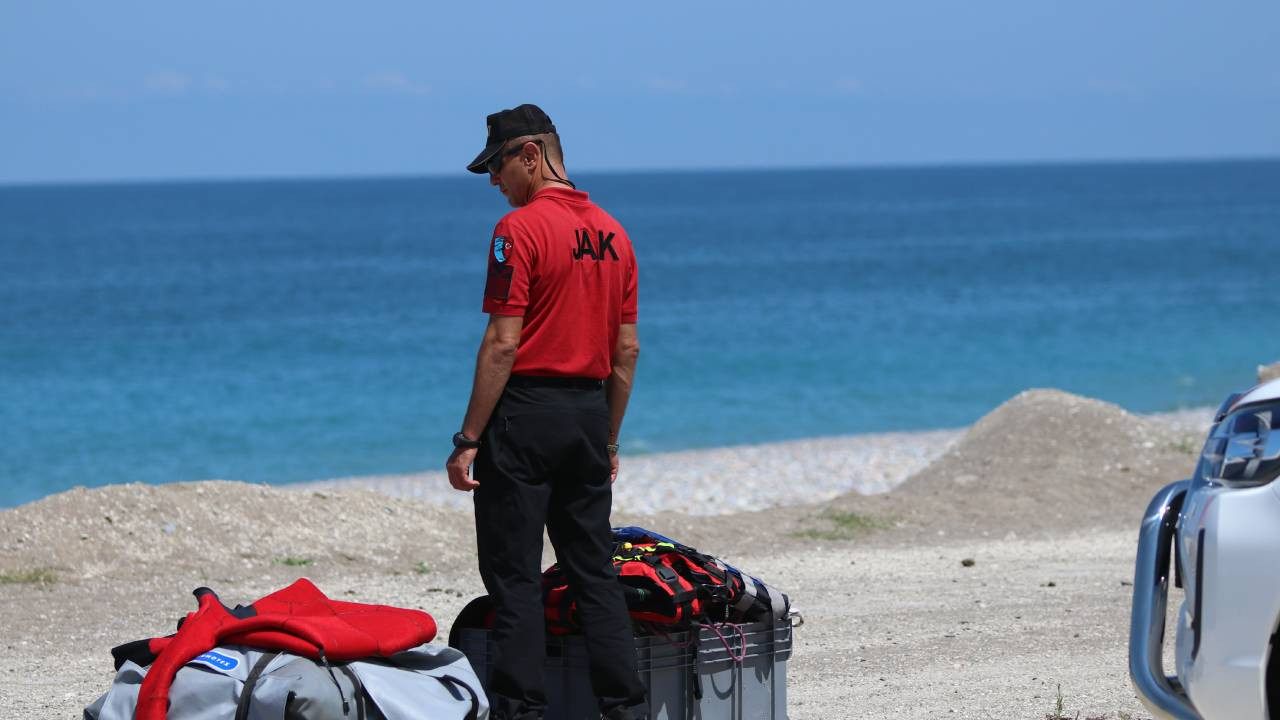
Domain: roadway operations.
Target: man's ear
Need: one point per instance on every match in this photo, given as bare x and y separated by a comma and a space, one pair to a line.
531, 153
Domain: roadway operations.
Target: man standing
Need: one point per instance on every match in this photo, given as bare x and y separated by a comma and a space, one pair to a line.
553, 376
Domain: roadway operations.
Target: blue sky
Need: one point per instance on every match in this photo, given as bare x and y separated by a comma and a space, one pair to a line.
131, 90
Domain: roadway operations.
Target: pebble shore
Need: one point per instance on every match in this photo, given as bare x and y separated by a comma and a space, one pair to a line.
721, 481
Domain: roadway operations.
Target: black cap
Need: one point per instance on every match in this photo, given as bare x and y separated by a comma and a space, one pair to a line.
517, 122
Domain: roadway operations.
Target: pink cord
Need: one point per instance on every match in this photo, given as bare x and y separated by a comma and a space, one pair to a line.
741, 655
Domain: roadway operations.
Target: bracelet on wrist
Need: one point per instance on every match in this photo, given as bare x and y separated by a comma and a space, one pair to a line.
612, 448
464, 442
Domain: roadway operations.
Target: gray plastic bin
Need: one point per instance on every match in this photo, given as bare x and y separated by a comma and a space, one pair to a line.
686, 680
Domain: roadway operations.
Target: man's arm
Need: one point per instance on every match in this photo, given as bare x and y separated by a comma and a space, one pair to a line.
626, 353
493, 367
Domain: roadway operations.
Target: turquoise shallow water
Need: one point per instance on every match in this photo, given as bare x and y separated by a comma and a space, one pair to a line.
286, 331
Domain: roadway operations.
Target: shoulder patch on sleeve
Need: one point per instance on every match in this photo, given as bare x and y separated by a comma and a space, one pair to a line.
501, 249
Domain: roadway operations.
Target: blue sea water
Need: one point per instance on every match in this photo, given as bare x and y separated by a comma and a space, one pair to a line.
298, 330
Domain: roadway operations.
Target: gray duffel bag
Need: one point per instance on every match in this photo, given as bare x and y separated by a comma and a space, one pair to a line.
234, 682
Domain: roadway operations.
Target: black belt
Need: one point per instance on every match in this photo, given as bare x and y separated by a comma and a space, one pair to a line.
540, 381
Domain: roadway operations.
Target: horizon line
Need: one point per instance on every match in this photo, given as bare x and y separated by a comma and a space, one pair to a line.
889, 166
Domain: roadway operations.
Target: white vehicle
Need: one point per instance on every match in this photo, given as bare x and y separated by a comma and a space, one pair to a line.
1222, 528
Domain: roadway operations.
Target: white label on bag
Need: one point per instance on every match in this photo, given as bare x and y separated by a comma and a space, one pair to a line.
216, 661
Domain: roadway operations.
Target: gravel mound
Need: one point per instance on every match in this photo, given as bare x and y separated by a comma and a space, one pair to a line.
226, 527
1268, 372
1047, 457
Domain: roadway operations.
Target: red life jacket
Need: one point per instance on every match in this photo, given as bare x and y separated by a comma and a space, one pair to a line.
298, 619
750, 599
662, 584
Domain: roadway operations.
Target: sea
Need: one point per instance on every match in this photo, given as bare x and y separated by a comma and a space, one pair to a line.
285, 331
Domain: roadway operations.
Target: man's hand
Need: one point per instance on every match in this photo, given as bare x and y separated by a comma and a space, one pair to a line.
613, 468
459, 467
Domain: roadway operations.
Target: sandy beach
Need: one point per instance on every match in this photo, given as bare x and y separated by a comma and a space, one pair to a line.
866, 533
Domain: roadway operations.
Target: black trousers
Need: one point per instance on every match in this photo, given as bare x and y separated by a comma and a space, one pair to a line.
543, 462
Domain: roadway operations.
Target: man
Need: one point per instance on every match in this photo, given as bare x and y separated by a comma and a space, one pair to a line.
552, 380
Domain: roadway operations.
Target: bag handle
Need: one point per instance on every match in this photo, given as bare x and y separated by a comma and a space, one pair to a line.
449, 680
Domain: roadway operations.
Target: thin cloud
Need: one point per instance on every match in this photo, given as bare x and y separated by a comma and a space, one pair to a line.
849, 86
166, 82
667, 86
395, 83
89, 93
215, 84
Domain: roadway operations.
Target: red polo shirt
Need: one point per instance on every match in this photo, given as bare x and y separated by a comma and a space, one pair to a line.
568, 269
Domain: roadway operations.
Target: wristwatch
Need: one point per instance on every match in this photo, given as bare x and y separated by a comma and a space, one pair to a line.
462, 441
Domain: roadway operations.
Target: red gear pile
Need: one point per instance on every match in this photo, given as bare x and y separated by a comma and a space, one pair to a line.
298, 619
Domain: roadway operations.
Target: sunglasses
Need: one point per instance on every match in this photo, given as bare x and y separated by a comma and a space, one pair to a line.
495, 163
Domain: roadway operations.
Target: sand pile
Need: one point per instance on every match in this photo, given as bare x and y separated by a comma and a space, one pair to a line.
1044, 458
225, 527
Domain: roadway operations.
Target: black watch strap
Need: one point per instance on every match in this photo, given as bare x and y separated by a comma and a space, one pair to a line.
462, 441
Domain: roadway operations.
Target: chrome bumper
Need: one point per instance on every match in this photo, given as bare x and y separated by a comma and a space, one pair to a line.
1162, 694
